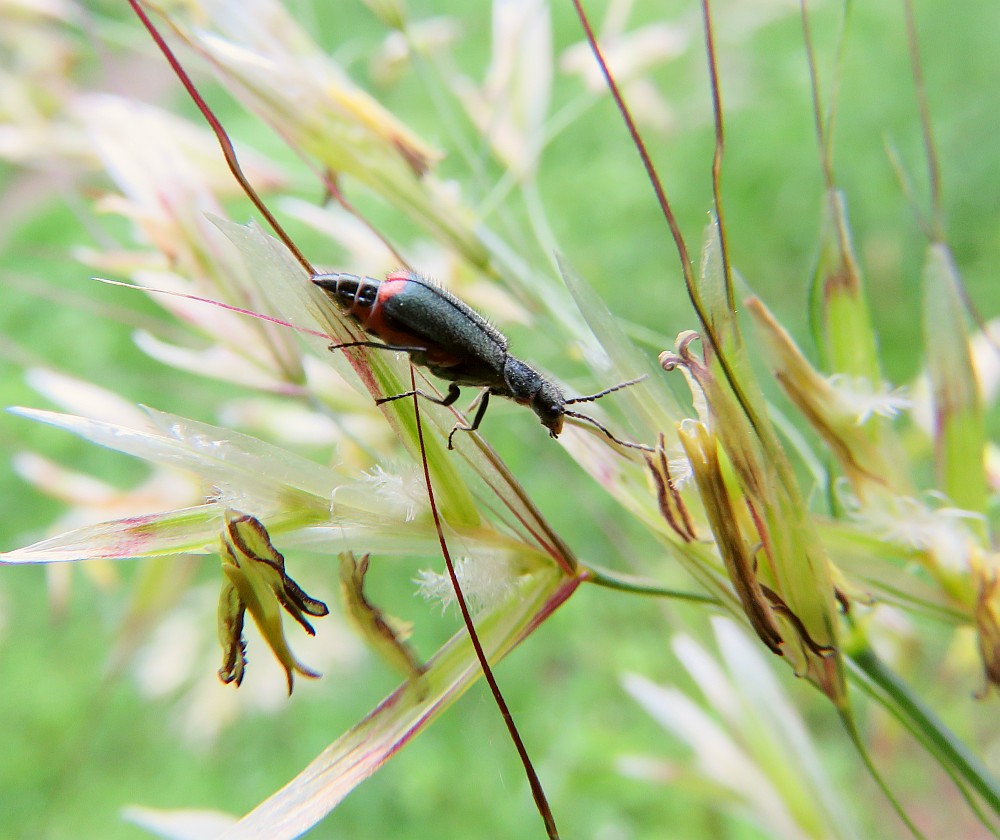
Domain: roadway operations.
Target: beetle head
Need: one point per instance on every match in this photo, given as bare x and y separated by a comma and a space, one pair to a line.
549, 404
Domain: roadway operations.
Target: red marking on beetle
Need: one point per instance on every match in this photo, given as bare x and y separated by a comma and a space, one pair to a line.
373, 319
400, 276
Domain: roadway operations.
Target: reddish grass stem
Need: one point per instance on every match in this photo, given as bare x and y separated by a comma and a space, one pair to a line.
220, 133
536, 786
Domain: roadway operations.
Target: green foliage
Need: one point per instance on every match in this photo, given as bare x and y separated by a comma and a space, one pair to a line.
541, 217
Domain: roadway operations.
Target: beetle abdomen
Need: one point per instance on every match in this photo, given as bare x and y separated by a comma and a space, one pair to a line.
407, 310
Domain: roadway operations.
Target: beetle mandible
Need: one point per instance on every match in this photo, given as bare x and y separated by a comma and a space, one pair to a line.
409, 313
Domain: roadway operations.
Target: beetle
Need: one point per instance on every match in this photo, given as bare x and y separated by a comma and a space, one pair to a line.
409, 313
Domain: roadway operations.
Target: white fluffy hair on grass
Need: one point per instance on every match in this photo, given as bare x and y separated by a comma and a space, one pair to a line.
486, 582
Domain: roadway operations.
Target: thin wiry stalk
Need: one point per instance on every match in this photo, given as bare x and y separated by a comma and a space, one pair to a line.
221, 135
717, 153
640, 146
635, 586
537, 791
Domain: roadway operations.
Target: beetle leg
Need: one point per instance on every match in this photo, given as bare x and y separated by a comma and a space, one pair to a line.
484, 401
377, 345
453, 394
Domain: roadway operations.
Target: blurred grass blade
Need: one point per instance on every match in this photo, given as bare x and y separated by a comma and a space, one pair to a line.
959, 426
153, 535
243, 466
179, 823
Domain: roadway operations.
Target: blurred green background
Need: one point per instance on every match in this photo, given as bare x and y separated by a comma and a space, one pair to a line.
81, 742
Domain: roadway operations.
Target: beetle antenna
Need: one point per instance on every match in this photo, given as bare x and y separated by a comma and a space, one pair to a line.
593, 422
605, 392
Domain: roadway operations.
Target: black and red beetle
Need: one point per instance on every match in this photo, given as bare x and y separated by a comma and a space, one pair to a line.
409, 313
